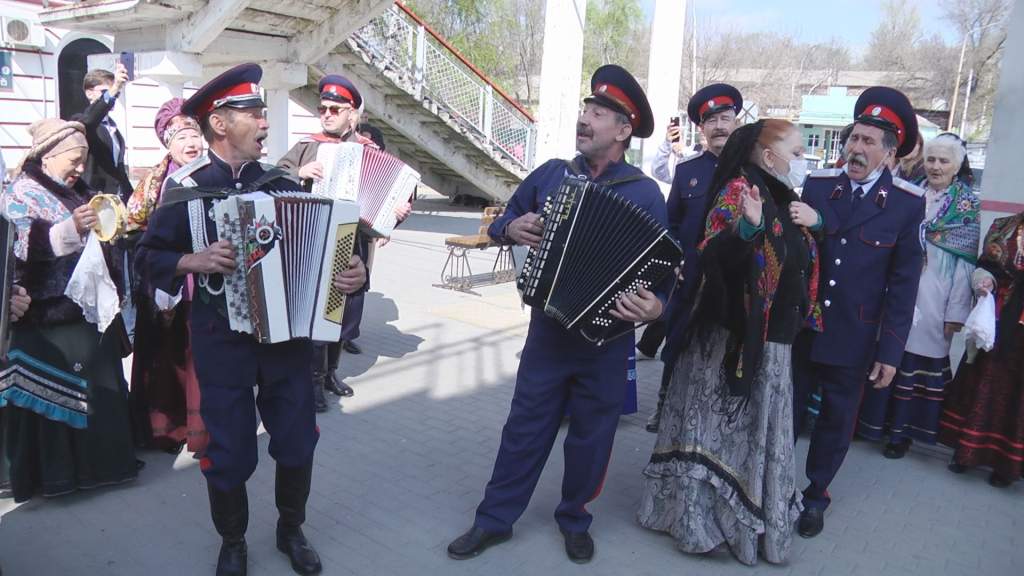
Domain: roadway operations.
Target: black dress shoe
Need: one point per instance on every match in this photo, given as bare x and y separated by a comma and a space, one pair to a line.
896, 450
956, 468
474, 542
303, 557
579, 546
351, 347
812, 521
999, 481
232, 559
337, 386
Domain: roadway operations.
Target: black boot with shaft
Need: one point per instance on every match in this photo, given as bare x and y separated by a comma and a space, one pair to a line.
291, 492
230, 512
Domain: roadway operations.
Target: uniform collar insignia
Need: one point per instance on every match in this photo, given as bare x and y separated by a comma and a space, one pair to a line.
881, 197
837, 192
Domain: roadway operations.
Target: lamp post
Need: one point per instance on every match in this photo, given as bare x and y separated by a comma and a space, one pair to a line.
960, 71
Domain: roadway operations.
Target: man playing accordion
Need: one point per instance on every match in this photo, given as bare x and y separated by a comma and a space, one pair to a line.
182, 239
559, 368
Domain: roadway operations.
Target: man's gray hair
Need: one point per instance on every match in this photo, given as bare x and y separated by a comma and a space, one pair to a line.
889, 140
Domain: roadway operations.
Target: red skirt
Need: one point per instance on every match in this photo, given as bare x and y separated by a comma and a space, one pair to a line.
165, 391
983, 413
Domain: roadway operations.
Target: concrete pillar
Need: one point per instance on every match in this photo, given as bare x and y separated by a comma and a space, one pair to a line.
663, 71
1000, 184
560, 77
278, 79
280, 124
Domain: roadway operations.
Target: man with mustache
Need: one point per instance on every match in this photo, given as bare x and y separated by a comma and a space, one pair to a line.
868, 225
559, 368
182, 239
713, 109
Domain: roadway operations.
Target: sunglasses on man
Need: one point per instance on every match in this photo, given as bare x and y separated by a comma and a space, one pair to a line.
333, 110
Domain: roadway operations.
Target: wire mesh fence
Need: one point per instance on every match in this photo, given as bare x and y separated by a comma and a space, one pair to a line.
407, 48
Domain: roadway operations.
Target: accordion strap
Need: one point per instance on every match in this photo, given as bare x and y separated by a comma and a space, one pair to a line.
577, 169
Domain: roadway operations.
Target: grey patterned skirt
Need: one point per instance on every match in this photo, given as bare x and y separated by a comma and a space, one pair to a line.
719, 475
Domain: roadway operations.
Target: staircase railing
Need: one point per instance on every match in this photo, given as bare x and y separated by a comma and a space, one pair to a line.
399, 40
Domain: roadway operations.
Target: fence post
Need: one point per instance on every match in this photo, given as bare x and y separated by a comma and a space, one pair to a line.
489, 113
531, 145
421, 61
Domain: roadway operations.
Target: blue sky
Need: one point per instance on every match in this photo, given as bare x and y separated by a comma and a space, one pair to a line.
851, 21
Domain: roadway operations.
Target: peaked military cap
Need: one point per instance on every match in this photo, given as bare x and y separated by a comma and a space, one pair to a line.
890, 110
613, 87
238, 87
340, 89
712, 99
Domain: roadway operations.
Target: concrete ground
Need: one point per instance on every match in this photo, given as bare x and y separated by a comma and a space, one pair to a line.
401, 466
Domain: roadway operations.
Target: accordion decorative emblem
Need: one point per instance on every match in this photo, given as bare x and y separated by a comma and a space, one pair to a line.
376, 180
596, 246
288, 248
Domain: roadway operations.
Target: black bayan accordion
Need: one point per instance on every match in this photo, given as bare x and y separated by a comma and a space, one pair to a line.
374, 179
596, 246
288, 248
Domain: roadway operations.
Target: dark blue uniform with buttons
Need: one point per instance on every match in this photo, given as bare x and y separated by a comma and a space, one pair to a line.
559, 368
871, 259
228, 363
685, 207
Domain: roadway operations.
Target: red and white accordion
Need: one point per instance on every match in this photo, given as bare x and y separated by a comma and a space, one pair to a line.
376, 180
288, 248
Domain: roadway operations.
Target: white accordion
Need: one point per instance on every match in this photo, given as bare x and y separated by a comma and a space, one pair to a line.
288, 248
376, 180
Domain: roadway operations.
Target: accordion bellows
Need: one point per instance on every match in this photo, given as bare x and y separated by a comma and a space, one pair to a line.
288, 248
596, 246
375, 179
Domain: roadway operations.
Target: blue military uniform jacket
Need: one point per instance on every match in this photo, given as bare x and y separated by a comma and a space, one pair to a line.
530, 197
871, 262
231, 358
686, 202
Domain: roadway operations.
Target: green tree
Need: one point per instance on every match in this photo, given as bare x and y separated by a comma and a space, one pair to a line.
616, 33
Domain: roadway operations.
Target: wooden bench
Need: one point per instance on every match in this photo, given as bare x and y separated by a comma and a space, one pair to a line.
457, 274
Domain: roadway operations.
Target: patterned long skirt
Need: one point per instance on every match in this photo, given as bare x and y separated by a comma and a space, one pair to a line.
983, 413
721, 473
909, 408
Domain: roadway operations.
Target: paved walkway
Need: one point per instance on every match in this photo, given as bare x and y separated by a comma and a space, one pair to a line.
401, 466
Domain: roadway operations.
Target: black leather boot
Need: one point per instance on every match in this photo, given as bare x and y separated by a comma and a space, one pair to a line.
291, 492
319, 378
230, 512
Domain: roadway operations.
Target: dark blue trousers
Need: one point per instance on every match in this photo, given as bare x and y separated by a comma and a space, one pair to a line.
552, 374
285, 405
841, 391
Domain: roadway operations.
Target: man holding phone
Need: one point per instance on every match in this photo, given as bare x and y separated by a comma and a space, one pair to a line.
105, 170
669, 154
714, 109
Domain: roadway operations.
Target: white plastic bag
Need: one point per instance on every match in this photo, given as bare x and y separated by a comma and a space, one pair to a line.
980, 328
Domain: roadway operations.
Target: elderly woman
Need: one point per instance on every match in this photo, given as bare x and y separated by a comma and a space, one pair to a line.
165, 392
66, 421
909, 409
983, 413
723, 472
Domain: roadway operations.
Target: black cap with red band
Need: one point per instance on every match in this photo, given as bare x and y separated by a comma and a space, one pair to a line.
339, 89
613, 87
238, 87
890, 110
713, 99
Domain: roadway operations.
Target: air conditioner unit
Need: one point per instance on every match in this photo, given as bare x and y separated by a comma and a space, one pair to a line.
21, 32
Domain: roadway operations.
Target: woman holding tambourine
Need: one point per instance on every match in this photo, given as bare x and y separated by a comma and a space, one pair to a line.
66, 420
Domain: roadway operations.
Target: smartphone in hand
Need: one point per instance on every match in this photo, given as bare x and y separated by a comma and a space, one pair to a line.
674, 122
128, 60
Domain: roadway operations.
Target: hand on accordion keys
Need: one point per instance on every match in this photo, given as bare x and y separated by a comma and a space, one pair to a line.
20, 301
311, 171
217, 258
526, 230
351, 279
643, 306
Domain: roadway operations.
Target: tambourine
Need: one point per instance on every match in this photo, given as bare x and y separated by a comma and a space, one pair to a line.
111, 216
